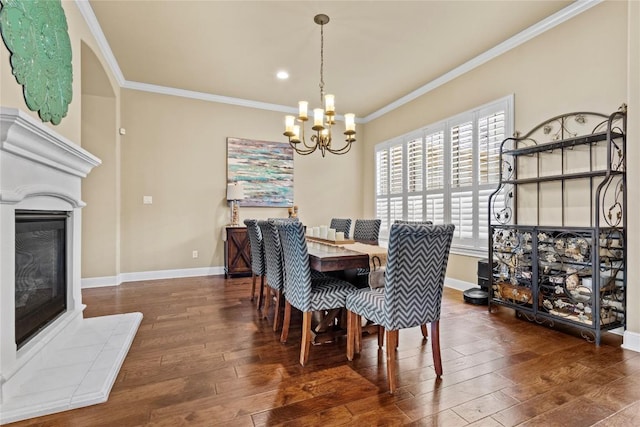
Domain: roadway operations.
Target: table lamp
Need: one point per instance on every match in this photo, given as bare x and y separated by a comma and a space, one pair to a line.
235, 193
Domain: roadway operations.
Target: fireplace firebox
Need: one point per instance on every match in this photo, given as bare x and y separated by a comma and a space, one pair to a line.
40, 271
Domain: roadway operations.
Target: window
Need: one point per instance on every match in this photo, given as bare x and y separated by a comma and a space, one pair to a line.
445, 173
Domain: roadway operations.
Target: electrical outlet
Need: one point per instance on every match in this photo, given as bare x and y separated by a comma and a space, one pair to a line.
194, 254
147, 200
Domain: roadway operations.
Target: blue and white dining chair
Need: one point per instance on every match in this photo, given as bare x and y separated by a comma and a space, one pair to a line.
303, 292
367, 231
257, 257
412, 294
342, 224
275, 268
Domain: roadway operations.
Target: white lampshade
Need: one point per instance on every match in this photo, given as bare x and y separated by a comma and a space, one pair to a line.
235, 191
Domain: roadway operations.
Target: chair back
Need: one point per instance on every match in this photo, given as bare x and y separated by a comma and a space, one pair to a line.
257, 246
296, 219
297, 273
414, 280
399, 221
367, 230
272, 254
341, 224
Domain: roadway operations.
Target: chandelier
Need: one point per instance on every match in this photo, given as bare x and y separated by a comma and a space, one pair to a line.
323, 119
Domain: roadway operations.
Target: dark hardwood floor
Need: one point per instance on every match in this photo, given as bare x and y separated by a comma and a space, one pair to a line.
204, 357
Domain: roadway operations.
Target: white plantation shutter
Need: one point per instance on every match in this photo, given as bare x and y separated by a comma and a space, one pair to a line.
462, 214
435, 208
382, 213
434, 148
382, 173
445, 174
483, 210
395, 209
462, 155
491, 134
414, 208
414, 165
395, 170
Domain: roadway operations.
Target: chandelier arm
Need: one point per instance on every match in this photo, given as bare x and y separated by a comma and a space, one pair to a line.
301, 152
342, 150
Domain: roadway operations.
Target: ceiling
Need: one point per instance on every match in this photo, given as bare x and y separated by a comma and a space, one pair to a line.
375, 51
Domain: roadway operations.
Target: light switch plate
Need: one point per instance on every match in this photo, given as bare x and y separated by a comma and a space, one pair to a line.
147, 200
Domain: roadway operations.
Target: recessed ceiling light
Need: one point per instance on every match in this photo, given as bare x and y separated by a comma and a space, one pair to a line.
282, 75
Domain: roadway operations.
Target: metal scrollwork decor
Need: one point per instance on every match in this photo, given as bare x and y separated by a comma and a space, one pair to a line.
35, 32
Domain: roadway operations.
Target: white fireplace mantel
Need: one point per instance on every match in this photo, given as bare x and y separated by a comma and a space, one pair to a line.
74, 361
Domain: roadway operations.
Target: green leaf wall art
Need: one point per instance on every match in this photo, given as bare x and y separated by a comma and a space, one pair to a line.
35, 32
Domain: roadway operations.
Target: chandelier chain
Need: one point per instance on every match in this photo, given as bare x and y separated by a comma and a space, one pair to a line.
321, 64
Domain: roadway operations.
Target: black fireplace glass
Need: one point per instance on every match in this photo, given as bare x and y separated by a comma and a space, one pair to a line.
40, 271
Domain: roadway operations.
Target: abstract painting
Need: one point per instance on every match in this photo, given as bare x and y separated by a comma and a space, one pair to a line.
265, 169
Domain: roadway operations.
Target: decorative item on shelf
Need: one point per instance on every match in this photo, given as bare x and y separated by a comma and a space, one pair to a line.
323, 120
293, 212
235, 193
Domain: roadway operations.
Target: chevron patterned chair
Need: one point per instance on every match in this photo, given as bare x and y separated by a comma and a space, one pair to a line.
399, 221
257, 257
274, 267
412, 295
303, 292
342, 224
367, 231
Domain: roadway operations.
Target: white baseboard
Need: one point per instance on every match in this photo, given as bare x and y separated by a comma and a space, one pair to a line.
459, 285
631, 341
98, 282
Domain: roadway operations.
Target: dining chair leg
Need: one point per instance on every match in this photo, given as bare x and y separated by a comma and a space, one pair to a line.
253, 286
392, 337
261, 296
277, 316
425, 333
306, 337
285, 322
380, 336
351, 334
267, 301
435, 346
357, 339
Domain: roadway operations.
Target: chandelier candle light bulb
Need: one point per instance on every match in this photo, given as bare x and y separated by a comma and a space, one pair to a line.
318, 119
303, 106
329, 105
288, 125
323, 120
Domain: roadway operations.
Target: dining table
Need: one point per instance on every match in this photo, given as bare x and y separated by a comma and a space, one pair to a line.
324, 257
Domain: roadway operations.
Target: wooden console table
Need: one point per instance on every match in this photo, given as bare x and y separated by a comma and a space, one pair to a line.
237, 252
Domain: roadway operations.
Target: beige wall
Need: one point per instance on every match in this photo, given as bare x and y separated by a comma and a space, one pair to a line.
175, 151
552, 74
100, 189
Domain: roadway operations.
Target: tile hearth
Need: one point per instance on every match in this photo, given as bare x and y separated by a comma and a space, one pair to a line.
76, 368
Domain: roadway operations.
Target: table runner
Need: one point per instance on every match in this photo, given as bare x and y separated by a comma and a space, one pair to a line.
372, 251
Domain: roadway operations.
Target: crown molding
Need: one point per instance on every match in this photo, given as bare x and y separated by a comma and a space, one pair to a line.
535, 30
96, 30
546, 24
